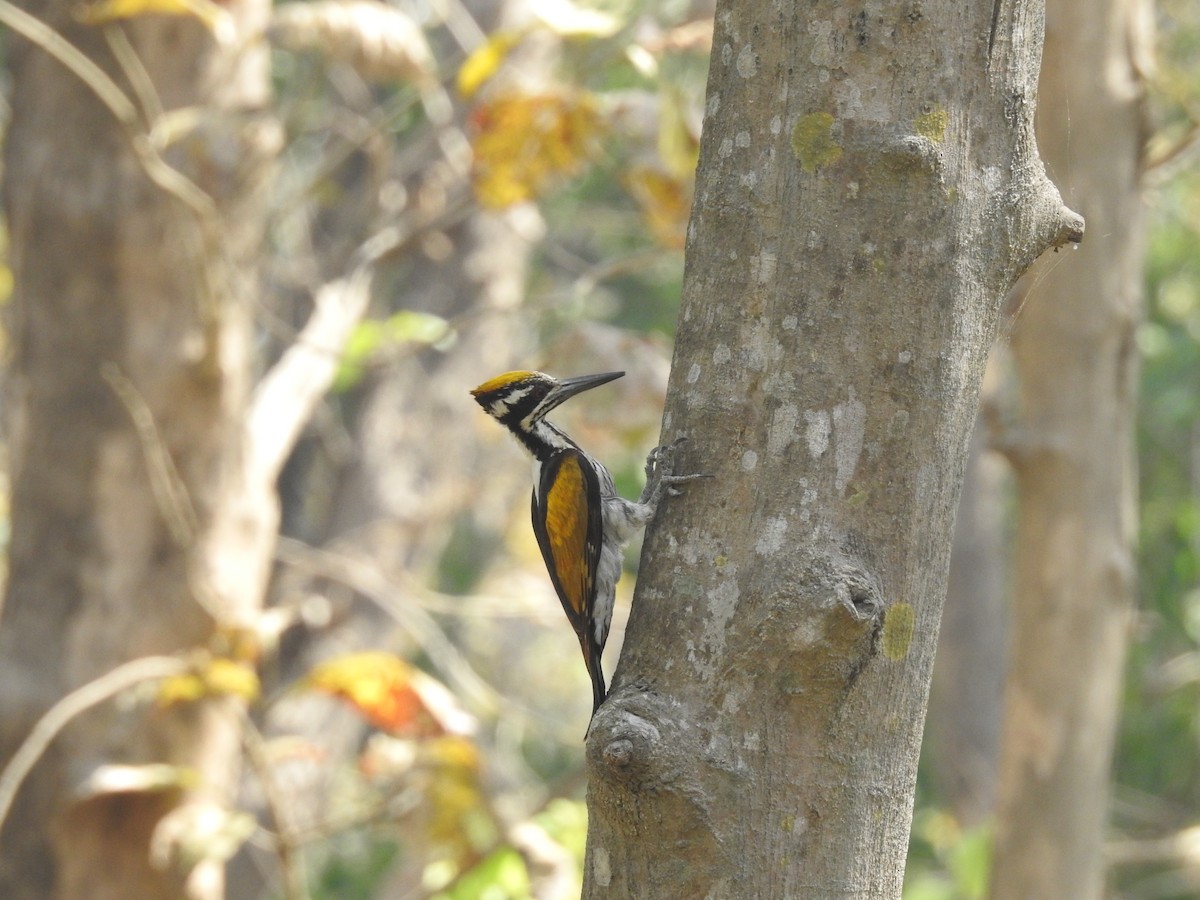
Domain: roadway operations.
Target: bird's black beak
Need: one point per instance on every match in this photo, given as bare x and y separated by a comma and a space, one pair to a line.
569, 387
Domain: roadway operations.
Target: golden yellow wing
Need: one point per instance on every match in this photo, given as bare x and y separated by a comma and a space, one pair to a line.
569, 523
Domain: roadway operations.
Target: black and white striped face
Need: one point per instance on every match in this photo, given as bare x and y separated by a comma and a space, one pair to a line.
521, 399
513, 398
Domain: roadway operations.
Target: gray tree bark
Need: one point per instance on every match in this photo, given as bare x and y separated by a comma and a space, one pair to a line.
142, 519
868, 191
1072, 451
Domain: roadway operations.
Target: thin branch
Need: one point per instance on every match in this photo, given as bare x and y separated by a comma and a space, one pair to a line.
175, 183
477, 606
1168, 162
38, 32
378, 812
74, 704
291, 863
135, 72
168, 487
367, 579
114, 99
165, 481
462, 25
383, 119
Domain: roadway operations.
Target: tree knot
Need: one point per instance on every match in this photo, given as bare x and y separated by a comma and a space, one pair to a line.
1070, 228
619, 753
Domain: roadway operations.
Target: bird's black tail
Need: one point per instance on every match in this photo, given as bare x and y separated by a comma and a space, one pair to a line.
598, 691
591, 658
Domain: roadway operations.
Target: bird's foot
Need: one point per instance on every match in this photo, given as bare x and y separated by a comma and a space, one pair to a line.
660, 472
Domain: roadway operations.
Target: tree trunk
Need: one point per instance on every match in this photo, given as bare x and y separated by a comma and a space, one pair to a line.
868, 191
1073, 456
135, 527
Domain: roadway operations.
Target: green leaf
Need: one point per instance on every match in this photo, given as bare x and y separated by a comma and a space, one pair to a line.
970, 862
374, 338
500, 876
566, 821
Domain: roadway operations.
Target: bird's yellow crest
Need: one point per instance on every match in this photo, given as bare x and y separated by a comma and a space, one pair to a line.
494, 384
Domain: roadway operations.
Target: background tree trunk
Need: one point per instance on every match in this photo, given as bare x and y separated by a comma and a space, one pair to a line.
135, 529
1073, 456
868, 191
962, 731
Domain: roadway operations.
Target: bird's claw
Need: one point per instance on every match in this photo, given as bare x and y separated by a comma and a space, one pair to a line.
660, 476
663, 457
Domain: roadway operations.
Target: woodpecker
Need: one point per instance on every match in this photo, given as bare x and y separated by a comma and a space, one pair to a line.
581, 524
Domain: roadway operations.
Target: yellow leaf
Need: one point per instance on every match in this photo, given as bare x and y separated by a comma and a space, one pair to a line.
227, 676
678, 144
525, 142
213, 16
452, 752
451, 766
666, 203
180, 689
210, 677
484, 61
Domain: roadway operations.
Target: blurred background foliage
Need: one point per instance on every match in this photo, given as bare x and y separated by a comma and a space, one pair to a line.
464, 709
465, 702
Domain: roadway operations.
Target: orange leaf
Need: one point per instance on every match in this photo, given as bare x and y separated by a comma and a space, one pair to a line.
381, 687
525, 142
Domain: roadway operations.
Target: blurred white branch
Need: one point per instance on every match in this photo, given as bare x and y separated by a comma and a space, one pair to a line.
284, 400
